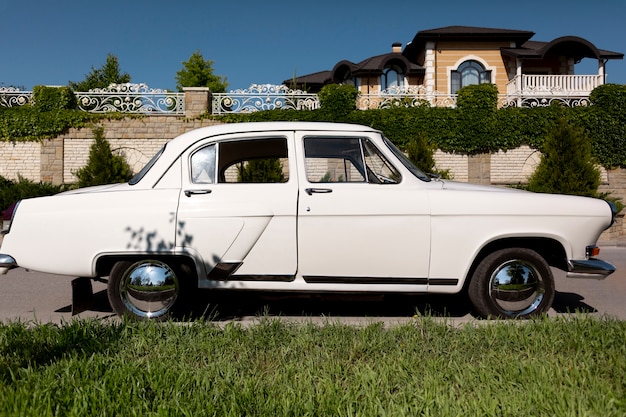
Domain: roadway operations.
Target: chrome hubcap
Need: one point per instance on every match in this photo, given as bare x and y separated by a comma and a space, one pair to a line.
516, 288
149, 288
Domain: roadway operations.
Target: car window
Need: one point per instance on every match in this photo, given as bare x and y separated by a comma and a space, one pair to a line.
346, 160
203, 165
147, 167
262, 160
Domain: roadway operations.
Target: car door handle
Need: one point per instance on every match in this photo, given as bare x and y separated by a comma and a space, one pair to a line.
310, 191
188, 193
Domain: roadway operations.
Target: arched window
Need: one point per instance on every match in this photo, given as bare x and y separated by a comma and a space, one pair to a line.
393, 77
469, 73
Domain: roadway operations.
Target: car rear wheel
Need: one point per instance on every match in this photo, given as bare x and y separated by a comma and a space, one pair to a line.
512, 283
145, 289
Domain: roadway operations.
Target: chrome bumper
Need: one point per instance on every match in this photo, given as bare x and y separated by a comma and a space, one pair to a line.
589, 268
6, 262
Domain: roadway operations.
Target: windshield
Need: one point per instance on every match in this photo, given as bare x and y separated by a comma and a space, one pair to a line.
146, 168
406, 161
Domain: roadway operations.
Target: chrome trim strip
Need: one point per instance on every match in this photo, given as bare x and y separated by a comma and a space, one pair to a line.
364, 280
589, 268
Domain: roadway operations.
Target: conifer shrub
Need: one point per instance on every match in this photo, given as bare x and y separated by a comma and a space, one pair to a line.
567, 165
265, 170
103, 167
421, 153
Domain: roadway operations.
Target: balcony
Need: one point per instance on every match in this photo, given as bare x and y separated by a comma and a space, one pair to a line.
553, 85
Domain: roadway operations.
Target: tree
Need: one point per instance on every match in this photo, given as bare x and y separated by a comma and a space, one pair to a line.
421, 153
567, 165
103, 167
102, 77
261, 170
198, 72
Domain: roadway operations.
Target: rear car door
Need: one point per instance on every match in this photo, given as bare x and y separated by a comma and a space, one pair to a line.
237, 206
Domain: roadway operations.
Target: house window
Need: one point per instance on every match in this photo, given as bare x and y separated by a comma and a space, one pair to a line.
469, 73
392, 77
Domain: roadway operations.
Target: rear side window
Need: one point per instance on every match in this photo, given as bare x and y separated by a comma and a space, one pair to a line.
262, 160
331, 160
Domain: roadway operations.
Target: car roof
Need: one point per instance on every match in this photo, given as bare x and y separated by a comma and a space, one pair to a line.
179, 144
251, 127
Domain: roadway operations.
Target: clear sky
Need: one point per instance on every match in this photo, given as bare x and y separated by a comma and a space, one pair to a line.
52, 42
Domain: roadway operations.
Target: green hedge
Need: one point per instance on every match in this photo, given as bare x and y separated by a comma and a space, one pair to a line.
476, 126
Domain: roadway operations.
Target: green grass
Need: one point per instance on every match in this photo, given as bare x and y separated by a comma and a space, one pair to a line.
546, 367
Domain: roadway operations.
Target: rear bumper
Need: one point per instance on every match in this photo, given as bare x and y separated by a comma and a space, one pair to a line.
6, 263
589, 268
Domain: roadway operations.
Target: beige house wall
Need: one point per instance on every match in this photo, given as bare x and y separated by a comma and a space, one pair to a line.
448, 56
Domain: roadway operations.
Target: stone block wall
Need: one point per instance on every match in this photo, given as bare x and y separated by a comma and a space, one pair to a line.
56, 160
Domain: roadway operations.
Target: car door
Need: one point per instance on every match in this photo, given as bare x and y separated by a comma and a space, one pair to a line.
359, 222
237, 207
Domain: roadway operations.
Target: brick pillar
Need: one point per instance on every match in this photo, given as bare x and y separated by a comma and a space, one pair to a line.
479, 169
52, 160
197, 101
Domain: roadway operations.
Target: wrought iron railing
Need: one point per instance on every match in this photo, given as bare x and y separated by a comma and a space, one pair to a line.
139, 99
131, 98
11, 97
413, 96
263, 97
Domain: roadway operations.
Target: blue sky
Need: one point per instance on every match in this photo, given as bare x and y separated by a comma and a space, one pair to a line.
265, 41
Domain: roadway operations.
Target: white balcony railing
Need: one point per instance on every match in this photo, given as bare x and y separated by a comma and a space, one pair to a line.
546, 85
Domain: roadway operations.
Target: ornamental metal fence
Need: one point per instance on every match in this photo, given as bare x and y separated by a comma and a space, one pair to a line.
140, 99
12, 97
263, 97
123, 98
131, 98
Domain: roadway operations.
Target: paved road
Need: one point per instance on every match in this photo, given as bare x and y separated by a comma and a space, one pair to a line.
30, 296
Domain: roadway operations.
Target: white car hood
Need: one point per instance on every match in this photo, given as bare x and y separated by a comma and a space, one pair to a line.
97, 188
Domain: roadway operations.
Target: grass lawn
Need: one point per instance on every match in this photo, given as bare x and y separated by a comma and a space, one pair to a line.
546, 367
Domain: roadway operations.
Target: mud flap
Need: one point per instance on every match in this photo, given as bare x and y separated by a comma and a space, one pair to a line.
82, 295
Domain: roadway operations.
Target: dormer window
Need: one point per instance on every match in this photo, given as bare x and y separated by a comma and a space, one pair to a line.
469, 73
392, 77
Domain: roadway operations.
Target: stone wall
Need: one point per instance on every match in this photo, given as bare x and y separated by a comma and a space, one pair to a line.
56, 160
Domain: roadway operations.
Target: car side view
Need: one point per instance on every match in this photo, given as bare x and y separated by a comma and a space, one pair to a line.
306, 207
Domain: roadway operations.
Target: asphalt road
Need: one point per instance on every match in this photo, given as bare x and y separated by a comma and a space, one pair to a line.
42, 298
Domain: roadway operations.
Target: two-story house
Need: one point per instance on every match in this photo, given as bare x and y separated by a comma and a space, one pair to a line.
439, 62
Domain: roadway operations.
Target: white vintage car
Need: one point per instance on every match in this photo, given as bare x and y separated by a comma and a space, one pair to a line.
310, 207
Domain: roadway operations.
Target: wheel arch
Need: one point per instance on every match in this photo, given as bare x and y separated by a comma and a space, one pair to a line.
548, 248
104, 264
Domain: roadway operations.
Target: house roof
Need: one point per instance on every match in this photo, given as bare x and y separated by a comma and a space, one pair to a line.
523, 47
346, 69
463, 33
572, 46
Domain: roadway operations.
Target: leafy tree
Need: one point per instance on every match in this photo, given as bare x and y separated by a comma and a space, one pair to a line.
102, 77
103, 167
567, 165
198, 72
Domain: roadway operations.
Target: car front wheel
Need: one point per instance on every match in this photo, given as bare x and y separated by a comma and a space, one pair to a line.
145, 289
512, 283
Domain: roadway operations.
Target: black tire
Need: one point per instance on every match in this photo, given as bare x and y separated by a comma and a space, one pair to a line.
512, 283
144, 290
